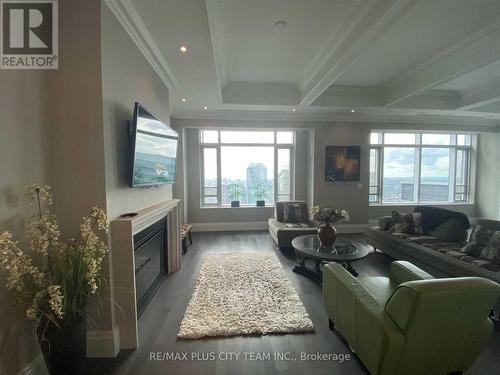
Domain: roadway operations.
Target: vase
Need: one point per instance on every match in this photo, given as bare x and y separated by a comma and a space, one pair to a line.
327, 235
64, 349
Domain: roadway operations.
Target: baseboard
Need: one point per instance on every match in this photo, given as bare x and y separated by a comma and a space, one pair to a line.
35, 367
262, 225
230, 226
104, 343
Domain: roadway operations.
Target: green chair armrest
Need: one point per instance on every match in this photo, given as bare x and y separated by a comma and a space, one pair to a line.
402, 271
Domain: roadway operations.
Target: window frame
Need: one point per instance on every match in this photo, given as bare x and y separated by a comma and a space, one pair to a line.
217, 146
419, 146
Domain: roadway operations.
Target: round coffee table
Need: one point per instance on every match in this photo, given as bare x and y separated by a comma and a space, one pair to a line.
308, 248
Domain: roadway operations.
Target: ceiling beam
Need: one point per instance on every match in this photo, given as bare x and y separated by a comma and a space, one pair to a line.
474, 52
367, 23
350, 96
480, 96
216, 36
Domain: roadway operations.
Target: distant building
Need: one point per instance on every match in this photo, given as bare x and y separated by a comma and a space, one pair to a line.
256, 174
428, 192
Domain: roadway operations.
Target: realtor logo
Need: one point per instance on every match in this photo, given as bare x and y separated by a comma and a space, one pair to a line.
29, 37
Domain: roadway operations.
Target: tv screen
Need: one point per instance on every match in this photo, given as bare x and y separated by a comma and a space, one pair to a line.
154, 150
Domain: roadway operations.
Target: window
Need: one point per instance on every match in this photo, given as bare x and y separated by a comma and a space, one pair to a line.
414, 167
257, 164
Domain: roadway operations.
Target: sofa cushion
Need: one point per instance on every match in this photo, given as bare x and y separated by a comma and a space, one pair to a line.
451, 230
295, 213
479, 238
279, 213
406, 223
492, 249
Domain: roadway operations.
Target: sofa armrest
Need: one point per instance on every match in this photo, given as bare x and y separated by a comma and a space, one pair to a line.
402, 271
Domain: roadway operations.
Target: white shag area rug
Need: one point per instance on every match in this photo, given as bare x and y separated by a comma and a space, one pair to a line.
243, 293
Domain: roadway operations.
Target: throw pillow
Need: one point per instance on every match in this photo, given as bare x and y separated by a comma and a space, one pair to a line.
406, 223
289, 213
478, 240
492, 248
385, 222
301, 214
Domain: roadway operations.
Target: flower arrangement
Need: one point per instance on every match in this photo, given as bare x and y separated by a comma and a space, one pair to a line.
49, 278
328, 214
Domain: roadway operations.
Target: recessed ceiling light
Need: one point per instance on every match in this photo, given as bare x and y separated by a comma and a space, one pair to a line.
294, 109
183, 48
183, 100
353, 110
205, 108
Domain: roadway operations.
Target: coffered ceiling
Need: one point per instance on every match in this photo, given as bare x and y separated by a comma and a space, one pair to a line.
361, 60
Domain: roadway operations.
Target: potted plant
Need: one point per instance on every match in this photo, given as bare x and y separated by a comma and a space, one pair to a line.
52, 280
235, 193
327, 233
261, 192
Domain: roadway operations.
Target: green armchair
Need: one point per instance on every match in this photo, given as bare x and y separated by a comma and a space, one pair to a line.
410, 323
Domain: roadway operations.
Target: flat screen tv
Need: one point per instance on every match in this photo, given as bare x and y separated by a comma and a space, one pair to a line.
154, 150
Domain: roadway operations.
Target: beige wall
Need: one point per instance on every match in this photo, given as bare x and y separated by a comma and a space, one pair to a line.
23, 161
488, 182
313, 186
126, 77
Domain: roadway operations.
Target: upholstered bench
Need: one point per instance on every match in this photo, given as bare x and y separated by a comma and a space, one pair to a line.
185, 234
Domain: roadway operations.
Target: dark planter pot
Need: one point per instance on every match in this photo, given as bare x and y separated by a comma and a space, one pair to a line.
235, 203
327, 235
261, 203
65, 350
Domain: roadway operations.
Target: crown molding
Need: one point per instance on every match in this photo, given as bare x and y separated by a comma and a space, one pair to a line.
479, 123
216, 36
129, 18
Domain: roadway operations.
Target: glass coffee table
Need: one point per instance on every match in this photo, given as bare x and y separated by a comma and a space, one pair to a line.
308, 248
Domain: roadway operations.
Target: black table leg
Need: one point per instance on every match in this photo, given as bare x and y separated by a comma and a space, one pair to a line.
301, 269
348, 266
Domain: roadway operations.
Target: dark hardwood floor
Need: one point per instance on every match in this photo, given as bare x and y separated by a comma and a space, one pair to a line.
160, 322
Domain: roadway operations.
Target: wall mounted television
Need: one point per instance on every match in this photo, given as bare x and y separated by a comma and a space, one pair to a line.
154, 150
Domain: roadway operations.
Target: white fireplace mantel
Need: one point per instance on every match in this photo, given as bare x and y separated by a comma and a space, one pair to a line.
122, 231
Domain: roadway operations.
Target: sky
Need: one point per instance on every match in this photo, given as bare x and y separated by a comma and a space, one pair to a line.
399, 162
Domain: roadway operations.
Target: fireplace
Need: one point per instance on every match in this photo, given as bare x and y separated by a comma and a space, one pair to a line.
139, 269
150, 248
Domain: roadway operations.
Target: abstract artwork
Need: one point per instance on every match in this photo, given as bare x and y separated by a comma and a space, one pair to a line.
343, 163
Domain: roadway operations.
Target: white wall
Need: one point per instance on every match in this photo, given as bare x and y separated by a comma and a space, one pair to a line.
488, 182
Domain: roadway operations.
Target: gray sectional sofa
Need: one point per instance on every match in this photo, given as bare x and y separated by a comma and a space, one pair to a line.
438, 256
